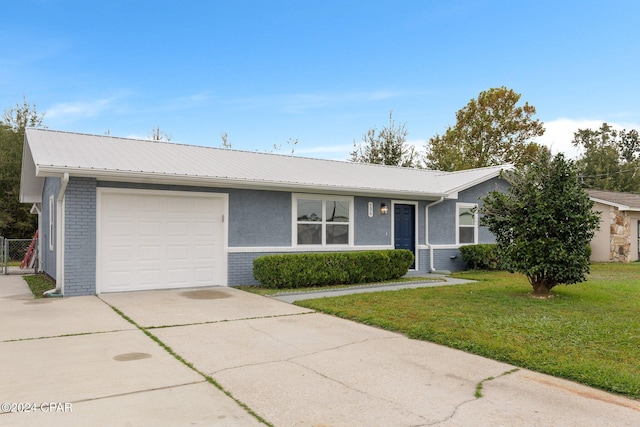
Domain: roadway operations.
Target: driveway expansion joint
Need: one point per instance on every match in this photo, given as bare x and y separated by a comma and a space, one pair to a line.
210, 322
68, 335
109, 396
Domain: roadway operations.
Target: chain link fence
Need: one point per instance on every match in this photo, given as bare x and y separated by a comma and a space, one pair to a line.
18, 256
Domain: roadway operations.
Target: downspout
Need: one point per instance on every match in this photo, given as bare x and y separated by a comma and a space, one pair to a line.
432, 268
57, 292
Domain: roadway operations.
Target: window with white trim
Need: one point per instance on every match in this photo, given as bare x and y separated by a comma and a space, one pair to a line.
466, 223
52, 218
322, 220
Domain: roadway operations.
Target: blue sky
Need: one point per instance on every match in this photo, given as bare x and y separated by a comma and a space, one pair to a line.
321, 72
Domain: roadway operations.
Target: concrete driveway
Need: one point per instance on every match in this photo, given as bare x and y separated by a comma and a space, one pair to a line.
291, 366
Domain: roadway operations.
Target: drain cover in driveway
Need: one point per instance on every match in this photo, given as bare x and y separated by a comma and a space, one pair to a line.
205, 294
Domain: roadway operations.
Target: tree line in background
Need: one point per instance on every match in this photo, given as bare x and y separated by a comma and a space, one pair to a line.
493, 130
490, 130
16, 221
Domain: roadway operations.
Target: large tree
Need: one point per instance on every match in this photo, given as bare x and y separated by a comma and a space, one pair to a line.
386, 147
610, 159
15, 219
489, 131
544, 223
23, 116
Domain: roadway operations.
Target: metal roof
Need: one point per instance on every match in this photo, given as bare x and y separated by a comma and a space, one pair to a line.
453, 182
53, 153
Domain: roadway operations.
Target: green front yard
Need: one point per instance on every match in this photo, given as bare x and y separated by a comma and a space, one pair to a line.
587, 332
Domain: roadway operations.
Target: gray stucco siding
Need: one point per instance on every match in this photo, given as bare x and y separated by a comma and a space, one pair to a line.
259, 218
48, 256
375, 230
420, 214
442, 217
474, 195
442, 223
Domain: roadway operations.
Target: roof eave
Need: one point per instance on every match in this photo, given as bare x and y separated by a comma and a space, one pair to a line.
488, 176
208, 181
614, 204
31, 184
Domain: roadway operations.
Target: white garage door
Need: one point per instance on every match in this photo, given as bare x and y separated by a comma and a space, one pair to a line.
159, 240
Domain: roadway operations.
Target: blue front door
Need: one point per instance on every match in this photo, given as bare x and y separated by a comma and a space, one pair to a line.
404, 223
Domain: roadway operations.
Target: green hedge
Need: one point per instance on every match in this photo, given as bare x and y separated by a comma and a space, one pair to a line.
331, 268
482, 257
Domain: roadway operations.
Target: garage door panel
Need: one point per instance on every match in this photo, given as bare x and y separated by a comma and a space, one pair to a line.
177, 205
118, 228
152, 253
117, 205
204, 252
206, 230
116, 254
179, 254
179, 277
151, 229
201, 275
120, 278
149, 276
154, 240
177, 229
151, 204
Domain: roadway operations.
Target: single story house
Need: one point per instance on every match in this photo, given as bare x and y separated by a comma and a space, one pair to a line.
619, 236
121, 214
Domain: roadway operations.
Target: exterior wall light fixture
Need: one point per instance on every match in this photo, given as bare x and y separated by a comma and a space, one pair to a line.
384, 209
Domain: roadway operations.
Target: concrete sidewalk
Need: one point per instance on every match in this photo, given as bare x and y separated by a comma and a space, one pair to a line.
440, 280
290, 365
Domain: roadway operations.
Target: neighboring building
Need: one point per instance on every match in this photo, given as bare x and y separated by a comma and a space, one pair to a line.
121, 214
619, 234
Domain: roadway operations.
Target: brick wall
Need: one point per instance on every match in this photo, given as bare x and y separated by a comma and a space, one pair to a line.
448, 259
80, 237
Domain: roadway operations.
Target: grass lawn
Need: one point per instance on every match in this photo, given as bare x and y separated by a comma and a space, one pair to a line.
587, 332
38, 283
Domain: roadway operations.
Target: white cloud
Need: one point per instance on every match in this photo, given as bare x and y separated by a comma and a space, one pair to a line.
78, 110
559, 133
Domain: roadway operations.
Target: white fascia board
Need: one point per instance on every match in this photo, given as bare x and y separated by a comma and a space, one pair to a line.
475, 182
204, 181
608, 203
30, 183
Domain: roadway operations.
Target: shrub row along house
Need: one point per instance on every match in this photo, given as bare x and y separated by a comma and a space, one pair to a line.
121, 214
